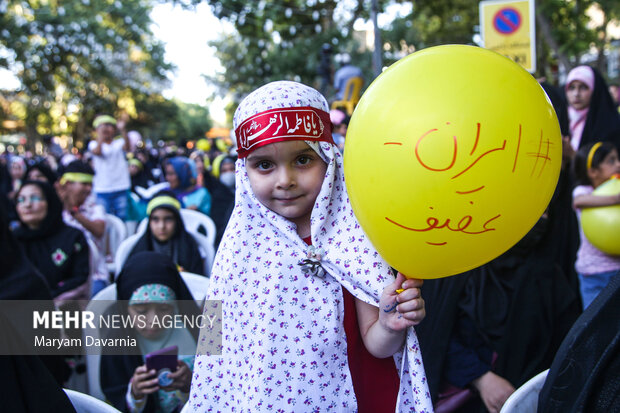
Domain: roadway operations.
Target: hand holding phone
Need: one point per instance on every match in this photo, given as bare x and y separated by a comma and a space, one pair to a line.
164, 362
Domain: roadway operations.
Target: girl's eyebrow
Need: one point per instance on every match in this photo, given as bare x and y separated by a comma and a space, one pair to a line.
252, 157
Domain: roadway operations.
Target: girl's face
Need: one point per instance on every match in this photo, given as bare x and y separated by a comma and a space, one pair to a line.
133, 170
199, 162
17, 170
286, 177
31, 206
171, 177
606, 169
227, 167
162, 224
148, 312
579, 95
36, 175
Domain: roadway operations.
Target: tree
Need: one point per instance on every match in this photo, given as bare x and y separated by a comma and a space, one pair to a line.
78, 57
280, 39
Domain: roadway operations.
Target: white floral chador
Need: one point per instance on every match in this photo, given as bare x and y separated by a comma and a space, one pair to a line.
284, 347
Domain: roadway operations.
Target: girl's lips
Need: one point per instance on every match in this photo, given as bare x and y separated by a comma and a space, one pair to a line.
288, 199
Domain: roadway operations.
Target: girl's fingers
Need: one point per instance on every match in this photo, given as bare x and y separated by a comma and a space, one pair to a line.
410, 305
408, 295
396, 286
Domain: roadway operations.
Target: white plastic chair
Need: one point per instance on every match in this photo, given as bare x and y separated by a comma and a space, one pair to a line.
196, 284
83, 403
525, 398
207, 250
122, 252
115, 234
98, 305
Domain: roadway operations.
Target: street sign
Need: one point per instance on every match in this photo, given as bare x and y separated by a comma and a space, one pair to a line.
508, 27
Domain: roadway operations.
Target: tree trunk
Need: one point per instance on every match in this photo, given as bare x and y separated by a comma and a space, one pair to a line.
545, 28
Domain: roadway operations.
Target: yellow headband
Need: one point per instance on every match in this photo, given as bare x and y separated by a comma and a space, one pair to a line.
162, 200
101, 119
136, 162
591, 154
76, 177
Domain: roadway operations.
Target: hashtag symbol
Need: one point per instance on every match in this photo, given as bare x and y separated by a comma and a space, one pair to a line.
542, 145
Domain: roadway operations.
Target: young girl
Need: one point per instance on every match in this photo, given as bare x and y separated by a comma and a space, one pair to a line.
311, 316
150, 285
166, 234
594, 164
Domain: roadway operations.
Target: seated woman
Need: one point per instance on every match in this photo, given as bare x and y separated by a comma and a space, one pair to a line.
58, 251
181, 175
149, 284
166, 234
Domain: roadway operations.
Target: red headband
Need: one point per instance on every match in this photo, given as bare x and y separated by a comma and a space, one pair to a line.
284, 124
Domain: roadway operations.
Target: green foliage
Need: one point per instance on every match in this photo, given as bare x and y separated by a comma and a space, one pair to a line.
281, 39
278, 40
78, 56
159, 118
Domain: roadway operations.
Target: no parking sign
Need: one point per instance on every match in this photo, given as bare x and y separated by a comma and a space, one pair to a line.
508, 28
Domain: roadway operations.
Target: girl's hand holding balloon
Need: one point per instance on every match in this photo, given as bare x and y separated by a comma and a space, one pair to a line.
401, 304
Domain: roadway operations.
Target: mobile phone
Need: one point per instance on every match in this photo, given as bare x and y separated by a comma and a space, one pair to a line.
164, 361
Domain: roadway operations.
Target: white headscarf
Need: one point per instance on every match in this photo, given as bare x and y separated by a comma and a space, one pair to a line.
283, 342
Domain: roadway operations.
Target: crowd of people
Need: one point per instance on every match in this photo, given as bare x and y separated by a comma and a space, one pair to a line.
313, 319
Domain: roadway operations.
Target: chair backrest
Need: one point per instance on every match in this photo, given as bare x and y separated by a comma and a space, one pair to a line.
199, 222
94, 256
97, 305
122, 252
115, 234
353, 88
197, 285
84, 403
115, 231
207, 250
525, 398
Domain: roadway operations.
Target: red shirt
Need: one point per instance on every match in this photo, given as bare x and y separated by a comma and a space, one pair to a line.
375, 380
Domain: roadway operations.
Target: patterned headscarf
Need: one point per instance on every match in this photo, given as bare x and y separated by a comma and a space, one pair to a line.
283, 341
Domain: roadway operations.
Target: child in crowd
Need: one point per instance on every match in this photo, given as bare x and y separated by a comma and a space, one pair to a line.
81, 210
594, 164
150, 286
311, 312
167, 235
181, 174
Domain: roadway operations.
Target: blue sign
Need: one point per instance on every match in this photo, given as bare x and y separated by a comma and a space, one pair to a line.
507, 20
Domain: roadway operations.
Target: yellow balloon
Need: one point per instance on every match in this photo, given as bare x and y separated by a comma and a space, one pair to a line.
602, 225
451, 156
203, 145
